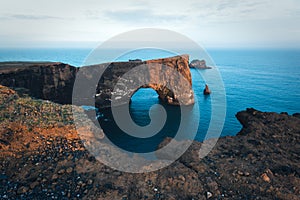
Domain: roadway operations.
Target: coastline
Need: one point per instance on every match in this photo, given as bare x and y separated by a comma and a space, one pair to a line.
55, 81
261, 161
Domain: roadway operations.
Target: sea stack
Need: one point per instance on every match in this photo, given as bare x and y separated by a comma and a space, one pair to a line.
206, 91
200, 64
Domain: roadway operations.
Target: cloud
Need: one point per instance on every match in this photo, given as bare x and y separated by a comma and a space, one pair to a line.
27, 17
141, 16
227, 5
216, 22
231, 4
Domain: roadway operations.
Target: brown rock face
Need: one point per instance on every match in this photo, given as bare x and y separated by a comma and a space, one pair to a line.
184, 90
169, 77
55, 81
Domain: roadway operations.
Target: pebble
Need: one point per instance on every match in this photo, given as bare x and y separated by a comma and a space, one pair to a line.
55, 176
69, 170
265, 177
70, 157
181, 177
208, 195
90, 182
22, 190
61, 171
34, 184
269, 172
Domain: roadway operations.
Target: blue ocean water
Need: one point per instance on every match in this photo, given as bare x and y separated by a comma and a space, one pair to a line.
267, 80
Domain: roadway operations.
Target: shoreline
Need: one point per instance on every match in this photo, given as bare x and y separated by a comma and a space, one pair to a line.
56, 81
262, 160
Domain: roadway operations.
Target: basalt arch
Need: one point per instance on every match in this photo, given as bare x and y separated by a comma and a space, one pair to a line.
169, 77
164, 94
55, 81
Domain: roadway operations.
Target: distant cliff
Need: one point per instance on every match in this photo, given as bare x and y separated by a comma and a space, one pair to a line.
44, 80
54, 81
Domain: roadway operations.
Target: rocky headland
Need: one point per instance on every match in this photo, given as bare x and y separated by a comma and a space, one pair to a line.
54, 81
43, 80
42, 157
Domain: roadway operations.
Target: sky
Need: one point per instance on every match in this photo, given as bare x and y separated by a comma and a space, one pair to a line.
211, 23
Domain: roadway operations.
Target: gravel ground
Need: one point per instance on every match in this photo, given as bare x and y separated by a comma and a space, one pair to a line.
42, 157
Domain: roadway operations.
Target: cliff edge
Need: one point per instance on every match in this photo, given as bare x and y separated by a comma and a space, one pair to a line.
55, 81
42, 157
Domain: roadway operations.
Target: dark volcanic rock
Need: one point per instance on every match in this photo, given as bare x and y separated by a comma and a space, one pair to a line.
48, 160
206, 90
55, 81
296, 115
44, 80
135, 60
158, 74
200, 64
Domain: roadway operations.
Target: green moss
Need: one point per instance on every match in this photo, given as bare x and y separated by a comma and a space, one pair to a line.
34, 112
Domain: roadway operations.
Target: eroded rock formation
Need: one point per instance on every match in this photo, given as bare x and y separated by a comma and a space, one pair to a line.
159, 73
55, 81
44, 80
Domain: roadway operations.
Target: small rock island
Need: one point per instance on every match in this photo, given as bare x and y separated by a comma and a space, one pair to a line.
206, 90
199, 64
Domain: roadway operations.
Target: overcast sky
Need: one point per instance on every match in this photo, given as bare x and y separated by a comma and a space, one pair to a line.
212, 23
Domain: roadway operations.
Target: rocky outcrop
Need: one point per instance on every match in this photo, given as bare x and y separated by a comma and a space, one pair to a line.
182, 84
206, 90
200, 64
43, 80
169, 77
54, 81
46, 159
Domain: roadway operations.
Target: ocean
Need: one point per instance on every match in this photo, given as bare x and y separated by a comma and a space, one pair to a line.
265, 79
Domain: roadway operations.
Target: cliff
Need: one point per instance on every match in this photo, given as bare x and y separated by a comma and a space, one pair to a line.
169, 77
43, 80
55, 81
46, 159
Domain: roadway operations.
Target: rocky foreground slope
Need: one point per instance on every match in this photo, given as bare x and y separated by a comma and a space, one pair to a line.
42, 157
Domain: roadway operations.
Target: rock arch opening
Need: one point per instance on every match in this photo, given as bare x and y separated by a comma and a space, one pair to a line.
115, 86
154, 91
141, 102
144, 94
